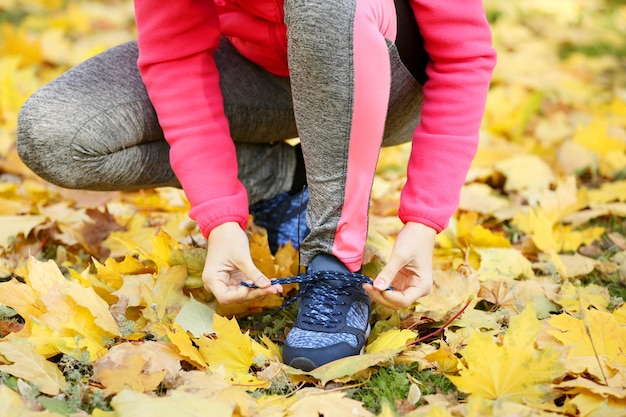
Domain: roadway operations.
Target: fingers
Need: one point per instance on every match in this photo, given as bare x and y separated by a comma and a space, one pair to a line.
409, 282
228, 263
387, 275
253, 274
228, 290
398, 299
240, 294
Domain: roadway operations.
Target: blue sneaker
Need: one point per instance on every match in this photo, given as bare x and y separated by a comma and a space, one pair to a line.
284, 218
333, 317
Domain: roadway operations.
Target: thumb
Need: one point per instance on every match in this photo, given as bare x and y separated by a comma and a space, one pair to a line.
386, 276
254, 274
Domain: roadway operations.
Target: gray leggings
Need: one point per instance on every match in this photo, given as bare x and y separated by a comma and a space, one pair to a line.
95, 128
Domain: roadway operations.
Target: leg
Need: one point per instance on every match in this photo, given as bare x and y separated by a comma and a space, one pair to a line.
346, 78
94, 126
352, 94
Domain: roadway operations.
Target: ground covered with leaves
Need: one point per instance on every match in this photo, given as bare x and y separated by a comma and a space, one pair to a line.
102, 311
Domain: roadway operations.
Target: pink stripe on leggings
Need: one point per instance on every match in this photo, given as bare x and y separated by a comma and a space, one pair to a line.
374, 21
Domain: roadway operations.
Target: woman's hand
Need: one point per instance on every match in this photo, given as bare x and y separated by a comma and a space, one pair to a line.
228, 263
409, 269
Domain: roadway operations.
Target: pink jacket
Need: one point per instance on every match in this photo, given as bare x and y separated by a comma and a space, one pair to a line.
176, 39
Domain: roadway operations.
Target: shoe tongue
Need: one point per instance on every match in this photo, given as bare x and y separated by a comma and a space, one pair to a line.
325, 262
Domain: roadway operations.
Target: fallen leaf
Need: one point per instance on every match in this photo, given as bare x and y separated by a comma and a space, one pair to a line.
503, 264
132, 404
167, 294
593, 341
445, 359
512, 371
129, 374
231, 351
11, 405
156, 357
25, 363
390, 339
311, 402
196, 318
185, 345
347, 366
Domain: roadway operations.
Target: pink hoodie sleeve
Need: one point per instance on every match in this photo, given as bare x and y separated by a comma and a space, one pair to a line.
176, 40
457, 38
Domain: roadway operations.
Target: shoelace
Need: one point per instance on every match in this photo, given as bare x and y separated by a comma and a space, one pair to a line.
325, 298
346, 277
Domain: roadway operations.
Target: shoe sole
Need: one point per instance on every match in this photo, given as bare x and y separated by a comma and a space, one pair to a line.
307, 364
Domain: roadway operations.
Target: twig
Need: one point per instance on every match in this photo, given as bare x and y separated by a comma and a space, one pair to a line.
436, 332
588, 331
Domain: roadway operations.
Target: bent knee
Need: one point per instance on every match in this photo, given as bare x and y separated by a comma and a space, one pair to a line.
43, 142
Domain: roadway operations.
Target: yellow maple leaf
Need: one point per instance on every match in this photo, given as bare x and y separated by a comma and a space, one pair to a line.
572, 298
593, 341
11, 226
89, 280
101, 413
549, 236
162, 244
127, 375
261, 254
503, 264
266, 351
17, 42
450, 290
311, 402
469, 233
27, 364
158, 251
167, 295
445, 359
593, 405
539, 226
230, 352
509, 108
22, 298
181, 339
44, 276
107, 274
515, 370
608, 192
481, 198
138, 366
348, 368
526, 174
133, 404
594, 136
133, 288
569, 240
564, 200
48, 299
99, 309
390, 339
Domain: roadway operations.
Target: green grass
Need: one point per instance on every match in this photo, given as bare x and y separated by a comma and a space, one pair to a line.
392, 383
